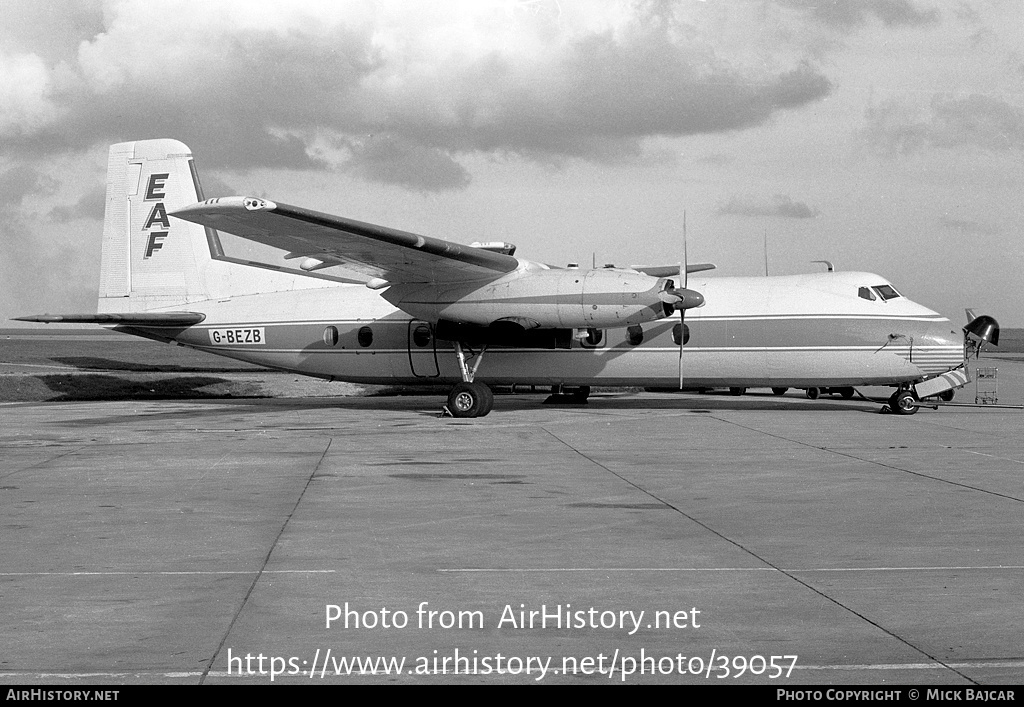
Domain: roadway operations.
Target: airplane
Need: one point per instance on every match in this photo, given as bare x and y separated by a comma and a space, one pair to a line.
374, 305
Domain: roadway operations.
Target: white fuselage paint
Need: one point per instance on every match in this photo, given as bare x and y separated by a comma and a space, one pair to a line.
794, 331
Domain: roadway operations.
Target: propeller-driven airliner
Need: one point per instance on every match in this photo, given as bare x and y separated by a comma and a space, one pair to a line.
374, 305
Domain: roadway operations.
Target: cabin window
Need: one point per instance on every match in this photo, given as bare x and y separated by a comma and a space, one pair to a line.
331, 336
365, 336
866, 293
421, 335
635, 335
593, 338
886, 292
680, 334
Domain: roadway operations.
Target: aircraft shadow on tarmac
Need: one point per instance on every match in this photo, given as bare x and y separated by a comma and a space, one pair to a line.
84, 387
423, 406
93, 363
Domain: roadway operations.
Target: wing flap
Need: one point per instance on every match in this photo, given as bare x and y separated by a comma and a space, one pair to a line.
371, 250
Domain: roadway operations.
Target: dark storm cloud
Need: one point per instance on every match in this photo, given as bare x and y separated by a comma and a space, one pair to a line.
779, 206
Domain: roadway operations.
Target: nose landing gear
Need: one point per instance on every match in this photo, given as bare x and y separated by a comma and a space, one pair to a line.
904, 402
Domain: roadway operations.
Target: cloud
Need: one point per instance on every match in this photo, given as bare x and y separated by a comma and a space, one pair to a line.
394, 160
399, 89
967, 227
780, 206
978, 121
91, 205
38, 272
21, 181
849, 14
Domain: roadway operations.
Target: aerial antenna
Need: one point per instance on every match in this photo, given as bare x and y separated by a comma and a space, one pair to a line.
828, 264
766, 252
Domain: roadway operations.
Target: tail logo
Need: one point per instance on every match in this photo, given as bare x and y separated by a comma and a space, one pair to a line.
158, 214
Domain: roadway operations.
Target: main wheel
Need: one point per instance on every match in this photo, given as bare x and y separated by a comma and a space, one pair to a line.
737, 391
903, 403
582, 393
813, 393
470, 400
947, 395
779, 391
847, 392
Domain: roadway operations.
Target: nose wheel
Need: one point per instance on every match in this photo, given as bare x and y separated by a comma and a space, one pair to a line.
904, 402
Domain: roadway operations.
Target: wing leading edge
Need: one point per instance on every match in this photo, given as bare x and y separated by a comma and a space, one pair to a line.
371, 250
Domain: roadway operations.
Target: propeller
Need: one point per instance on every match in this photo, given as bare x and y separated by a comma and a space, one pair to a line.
682, 299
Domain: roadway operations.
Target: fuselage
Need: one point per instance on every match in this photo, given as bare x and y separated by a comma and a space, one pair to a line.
827, 329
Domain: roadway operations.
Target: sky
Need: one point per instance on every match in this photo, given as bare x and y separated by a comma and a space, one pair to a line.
881, 135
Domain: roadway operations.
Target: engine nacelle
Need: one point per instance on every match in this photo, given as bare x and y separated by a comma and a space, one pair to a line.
538, 297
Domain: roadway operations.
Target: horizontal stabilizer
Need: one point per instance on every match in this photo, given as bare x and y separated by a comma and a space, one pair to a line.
149, 319
670, 270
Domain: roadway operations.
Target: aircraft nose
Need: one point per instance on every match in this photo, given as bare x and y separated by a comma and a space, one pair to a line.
938, 347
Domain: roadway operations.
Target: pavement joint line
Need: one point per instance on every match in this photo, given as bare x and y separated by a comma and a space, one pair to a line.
993, 456
266, 559
792, 576
881, 667
837, 451
784, 570
41, 463
122, 573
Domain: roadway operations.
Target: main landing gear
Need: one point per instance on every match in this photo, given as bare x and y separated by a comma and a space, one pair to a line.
469, 398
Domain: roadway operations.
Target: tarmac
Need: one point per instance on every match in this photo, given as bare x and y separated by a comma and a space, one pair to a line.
768, 540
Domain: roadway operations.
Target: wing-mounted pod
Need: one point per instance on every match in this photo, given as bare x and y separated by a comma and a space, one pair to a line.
978, 332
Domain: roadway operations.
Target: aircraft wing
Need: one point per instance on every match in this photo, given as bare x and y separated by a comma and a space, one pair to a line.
374, 251
149, 319
671, 270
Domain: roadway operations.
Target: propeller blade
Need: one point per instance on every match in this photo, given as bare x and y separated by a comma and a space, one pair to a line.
682, 336
682, 301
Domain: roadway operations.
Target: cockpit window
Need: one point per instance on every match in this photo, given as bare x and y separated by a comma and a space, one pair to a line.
886, 292
866, 293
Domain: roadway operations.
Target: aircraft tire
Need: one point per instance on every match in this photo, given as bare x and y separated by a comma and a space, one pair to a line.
847, 392
488, 400
779, 391
582, 393
904, 403
737, 391
470, 400
813, 393
947, 395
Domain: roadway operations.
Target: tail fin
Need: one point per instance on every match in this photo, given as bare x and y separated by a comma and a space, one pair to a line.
147, 262
152, 261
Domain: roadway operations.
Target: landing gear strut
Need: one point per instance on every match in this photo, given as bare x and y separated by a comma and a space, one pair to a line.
469, 398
